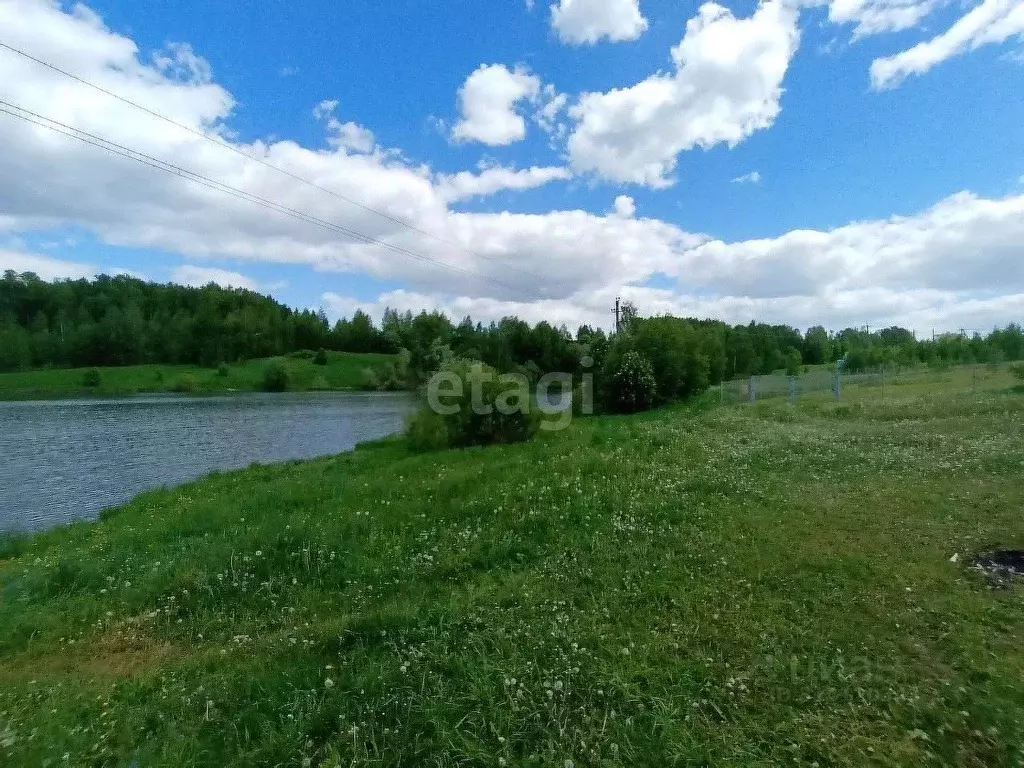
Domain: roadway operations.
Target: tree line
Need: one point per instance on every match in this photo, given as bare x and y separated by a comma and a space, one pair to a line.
110, 321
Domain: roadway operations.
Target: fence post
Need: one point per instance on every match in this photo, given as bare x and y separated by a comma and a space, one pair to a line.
792, 390
752, 389
721, 388
839, 383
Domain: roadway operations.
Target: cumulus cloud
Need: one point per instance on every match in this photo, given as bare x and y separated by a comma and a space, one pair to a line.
727, 84
991, 22
46, 267
196, 276
873, 17
960, 262
963, 243
51, 268
625, 206
52, 181
465, 184
349, 136
550, 106
179, 61
585, 22
489, 101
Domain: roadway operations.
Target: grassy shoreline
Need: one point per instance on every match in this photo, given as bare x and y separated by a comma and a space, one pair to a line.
343, 372
746, 585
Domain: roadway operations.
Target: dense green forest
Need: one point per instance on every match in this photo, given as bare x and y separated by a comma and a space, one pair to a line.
113, 321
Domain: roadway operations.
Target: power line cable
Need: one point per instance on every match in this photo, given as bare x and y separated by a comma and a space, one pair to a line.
161, 165
216, 140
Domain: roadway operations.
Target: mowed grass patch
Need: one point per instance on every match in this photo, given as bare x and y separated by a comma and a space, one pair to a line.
744, 585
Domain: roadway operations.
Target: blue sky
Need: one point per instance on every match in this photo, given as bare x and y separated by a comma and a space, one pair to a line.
789, 152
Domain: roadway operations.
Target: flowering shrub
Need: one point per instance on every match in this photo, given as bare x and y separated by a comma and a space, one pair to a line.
632, 386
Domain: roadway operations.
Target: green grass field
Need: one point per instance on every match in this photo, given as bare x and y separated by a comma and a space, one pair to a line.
343, 371
727, 585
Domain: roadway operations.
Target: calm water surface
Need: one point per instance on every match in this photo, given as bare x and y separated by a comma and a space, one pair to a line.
70, 459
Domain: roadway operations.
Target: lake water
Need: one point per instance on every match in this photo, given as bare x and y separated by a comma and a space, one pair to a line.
70, 459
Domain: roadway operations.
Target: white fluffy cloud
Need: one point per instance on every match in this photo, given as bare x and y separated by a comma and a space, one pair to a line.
46, 267
489, 100
727, 84
51, 268
348, 136
959, 263
465, 184
873, 17
580, 22
191, 274
963, 243
991, 22
53, 181
625, 206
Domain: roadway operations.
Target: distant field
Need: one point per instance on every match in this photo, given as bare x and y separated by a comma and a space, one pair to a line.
738, 585
343, 371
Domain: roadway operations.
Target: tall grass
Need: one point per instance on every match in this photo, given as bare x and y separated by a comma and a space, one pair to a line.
699, 585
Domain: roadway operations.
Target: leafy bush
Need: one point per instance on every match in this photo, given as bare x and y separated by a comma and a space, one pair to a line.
91, 378
1018, 371
794, 362
321, 357
677, 353
223, 370
631, 387
393, 376
507, 415
276, 377
427, 431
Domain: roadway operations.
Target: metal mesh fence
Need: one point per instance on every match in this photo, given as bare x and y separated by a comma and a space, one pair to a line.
829, 383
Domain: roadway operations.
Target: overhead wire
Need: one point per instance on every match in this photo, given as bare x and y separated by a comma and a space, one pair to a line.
148, 160
218, 141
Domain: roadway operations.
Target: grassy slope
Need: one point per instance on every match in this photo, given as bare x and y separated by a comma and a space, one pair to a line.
343, 371
738, 585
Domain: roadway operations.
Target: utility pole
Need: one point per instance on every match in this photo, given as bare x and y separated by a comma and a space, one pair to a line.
618, 322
